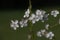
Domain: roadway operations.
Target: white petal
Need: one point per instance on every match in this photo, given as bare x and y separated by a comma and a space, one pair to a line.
17, 25
12, 21
43, 21
16, 21
21, 26
54, 12
24, 16
30, 18
37, 19
15, 28
55, 15
38, 12
27, 12
25, 21
33, 21
27, 15
47, 35
52, 35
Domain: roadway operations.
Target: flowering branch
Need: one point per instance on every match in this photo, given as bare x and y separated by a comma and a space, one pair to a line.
31, 18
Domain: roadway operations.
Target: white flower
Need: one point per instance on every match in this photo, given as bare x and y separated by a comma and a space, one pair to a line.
49, 35
27, 13
54, 13
39, 34
23, 23
35, 18
47, 26
14, 24
40, 17
32, 17
40, 12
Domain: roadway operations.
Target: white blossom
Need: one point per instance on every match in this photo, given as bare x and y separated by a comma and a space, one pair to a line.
40, 12
54, 13
14, 24
23, 23
32, 17
39, 34
38, 16
41, 15
49, 35
45, 33
27, 13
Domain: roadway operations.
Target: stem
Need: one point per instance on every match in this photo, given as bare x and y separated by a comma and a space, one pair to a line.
31, 32
30, 6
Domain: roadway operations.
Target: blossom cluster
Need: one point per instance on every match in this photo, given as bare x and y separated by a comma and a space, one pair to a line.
45, 32
54, 13
39, 15
33, 17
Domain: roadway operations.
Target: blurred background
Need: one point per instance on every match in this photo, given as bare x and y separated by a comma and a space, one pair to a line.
14, 9
23, 4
